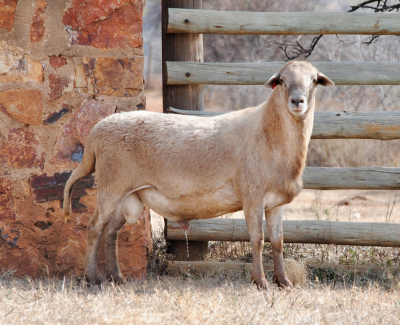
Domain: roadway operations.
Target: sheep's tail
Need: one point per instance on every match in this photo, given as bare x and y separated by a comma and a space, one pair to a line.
86, 166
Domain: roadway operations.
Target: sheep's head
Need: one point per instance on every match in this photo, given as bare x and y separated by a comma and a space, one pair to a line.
297, 82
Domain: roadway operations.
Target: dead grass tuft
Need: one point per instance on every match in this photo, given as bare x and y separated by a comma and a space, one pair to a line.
159, 258
7, 274
296, 272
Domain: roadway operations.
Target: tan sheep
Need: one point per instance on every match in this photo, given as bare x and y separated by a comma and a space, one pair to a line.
186, 168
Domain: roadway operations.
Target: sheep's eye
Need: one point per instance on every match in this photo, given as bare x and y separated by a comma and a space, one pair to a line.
314, 81
281, 81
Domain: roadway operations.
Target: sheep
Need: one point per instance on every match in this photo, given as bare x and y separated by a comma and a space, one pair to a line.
188, 167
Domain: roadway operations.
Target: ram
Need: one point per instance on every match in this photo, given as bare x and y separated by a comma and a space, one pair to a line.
187, 168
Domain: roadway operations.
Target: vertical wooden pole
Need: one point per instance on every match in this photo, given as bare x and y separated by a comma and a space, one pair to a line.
182, 47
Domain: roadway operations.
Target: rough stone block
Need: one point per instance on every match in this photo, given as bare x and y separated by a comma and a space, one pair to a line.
38, 241
17, 249
22, 104
135, 238
53, 118
77, 128
111, 76
9, 236
37, 26
80, 77
7, 9
106, 25
9, 56
17, 67
81, 13
6, 199
51, 188
57, 84
33, 70
57, 61
19, 150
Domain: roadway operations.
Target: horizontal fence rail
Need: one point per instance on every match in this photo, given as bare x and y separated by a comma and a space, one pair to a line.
342, 73
281, 23
294, 231
336, 178
178, 267
341, 125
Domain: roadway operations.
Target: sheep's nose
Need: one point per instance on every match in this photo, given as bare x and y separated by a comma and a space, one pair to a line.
297, 101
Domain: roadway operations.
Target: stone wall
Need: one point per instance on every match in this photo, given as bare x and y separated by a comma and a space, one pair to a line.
64, 65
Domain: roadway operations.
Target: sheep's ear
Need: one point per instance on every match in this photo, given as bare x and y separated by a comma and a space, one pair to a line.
273, 81
324, 80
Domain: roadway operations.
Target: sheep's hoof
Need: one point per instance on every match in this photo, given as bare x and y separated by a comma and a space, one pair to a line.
92, 281
283, 282
117, 279
261, 283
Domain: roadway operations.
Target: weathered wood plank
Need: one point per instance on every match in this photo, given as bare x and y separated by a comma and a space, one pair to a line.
342, 125
356, 125
342, 73
295, 231
281, 23
194, 113
178, 267
334, 178
181, 47
179, 248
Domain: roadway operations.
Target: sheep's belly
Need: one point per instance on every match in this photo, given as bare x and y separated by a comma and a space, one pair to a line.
192, 206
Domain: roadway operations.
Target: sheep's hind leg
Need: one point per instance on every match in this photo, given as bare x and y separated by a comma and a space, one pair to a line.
273, 218
105, 210
254, 219
129, 210
111, 248
95, 230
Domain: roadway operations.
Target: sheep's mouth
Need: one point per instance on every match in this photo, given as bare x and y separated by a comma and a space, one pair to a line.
298, 111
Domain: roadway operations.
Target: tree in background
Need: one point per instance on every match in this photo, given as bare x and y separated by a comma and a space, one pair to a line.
295, 50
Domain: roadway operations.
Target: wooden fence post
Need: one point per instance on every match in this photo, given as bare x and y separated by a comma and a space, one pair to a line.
182, 47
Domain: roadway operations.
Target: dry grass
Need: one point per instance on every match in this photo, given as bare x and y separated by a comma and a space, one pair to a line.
167, 300
321, 296
296, 272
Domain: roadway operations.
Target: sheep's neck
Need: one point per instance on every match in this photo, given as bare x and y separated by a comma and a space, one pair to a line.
288, 136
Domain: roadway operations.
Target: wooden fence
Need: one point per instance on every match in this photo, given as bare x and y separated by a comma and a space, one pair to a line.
342, 73
184, 73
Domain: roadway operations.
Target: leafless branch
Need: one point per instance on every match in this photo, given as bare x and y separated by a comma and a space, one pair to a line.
294, 50
342, 41
380, 6
373, 39
297, 50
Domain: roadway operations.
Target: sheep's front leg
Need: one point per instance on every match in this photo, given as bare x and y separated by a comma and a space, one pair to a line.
254, 218
274, 225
